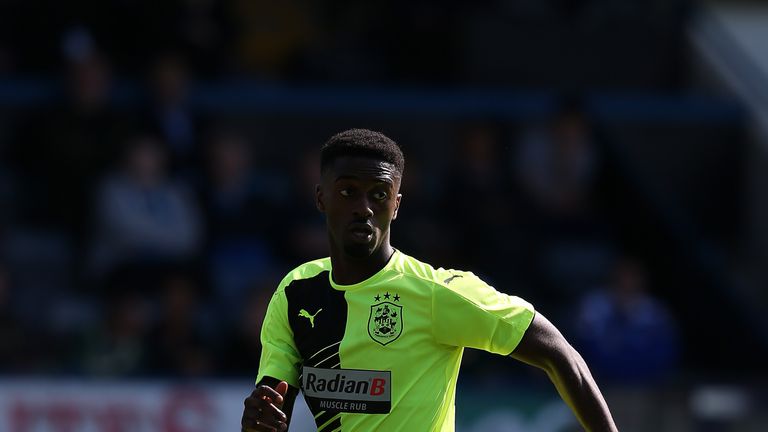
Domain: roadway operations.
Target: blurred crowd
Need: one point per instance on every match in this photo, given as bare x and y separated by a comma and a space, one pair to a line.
146, 241
429, 42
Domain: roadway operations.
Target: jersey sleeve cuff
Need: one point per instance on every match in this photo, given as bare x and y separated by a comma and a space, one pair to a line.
518, 336
286, 375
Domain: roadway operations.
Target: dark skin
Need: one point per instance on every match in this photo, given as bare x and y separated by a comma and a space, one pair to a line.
545, 347
359, 197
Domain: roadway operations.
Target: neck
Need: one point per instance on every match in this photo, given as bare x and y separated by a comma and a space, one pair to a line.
350, 270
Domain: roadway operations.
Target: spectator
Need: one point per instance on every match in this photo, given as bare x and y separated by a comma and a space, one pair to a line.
142, 216
626, 334
60, 151
237, 196
202, 29
239, 205
170, 115
557, 165
568, 243
477, 188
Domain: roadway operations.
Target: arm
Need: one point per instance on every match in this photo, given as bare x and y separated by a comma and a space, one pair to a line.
270, 405
545, 347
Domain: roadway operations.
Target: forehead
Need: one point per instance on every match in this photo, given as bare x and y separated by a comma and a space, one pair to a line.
361, 168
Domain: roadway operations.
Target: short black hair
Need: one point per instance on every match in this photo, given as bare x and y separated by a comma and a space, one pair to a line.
362, 142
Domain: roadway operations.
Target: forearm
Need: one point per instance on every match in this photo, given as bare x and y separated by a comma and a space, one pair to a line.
545, 347
578, 389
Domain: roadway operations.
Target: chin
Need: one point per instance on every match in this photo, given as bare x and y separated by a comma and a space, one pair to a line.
359, 250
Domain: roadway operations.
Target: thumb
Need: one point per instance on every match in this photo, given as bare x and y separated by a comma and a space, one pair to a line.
282, 388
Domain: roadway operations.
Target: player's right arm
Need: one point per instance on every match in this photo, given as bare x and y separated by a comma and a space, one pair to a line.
269, 406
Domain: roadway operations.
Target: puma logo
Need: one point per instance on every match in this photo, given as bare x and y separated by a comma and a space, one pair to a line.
311, 318
450, 279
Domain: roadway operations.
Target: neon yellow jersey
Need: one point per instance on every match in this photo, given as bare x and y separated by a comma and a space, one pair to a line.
384, 354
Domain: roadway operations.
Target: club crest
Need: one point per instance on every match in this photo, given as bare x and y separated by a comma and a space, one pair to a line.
385, 323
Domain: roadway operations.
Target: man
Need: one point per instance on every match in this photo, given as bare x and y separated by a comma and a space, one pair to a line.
374, 337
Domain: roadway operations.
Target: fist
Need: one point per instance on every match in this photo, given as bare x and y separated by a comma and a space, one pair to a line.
263, 409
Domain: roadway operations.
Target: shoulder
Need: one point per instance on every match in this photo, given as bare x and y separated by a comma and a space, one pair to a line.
440, 278
449, 286
305, 271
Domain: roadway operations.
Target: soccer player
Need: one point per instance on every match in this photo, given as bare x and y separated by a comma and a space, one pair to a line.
374, 337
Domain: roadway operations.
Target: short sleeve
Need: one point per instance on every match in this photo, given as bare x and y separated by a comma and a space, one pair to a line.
467, 312
279, 355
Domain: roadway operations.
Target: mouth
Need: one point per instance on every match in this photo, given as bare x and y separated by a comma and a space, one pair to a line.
361, 231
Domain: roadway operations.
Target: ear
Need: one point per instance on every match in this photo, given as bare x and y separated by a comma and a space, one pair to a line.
319, 198
397, 205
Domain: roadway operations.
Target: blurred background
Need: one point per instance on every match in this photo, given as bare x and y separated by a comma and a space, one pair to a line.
605, 159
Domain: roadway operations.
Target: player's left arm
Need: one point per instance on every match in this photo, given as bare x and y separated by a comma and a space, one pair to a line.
545, 347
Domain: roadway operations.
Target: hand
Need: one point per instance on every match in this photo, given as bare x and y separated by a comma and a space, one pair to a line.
263, 409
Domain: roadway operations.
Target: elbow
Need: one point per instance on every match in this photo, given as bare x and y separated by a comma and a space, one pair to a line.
564, 360
544, 347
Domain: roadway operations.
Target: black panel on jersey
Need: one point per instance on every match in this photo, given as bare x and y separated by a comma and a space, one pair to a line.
311, 295
318, 346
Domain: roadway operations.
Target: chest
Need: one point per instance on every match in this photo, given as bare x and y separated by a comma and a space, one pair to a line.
372, 322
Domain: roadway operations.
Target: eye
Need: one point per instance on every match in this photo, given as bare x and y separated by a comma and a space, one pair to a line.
345, 192
380, 195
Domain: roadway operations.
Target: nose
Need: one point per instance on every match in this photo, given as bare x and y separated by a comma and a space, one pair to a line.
362, 209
